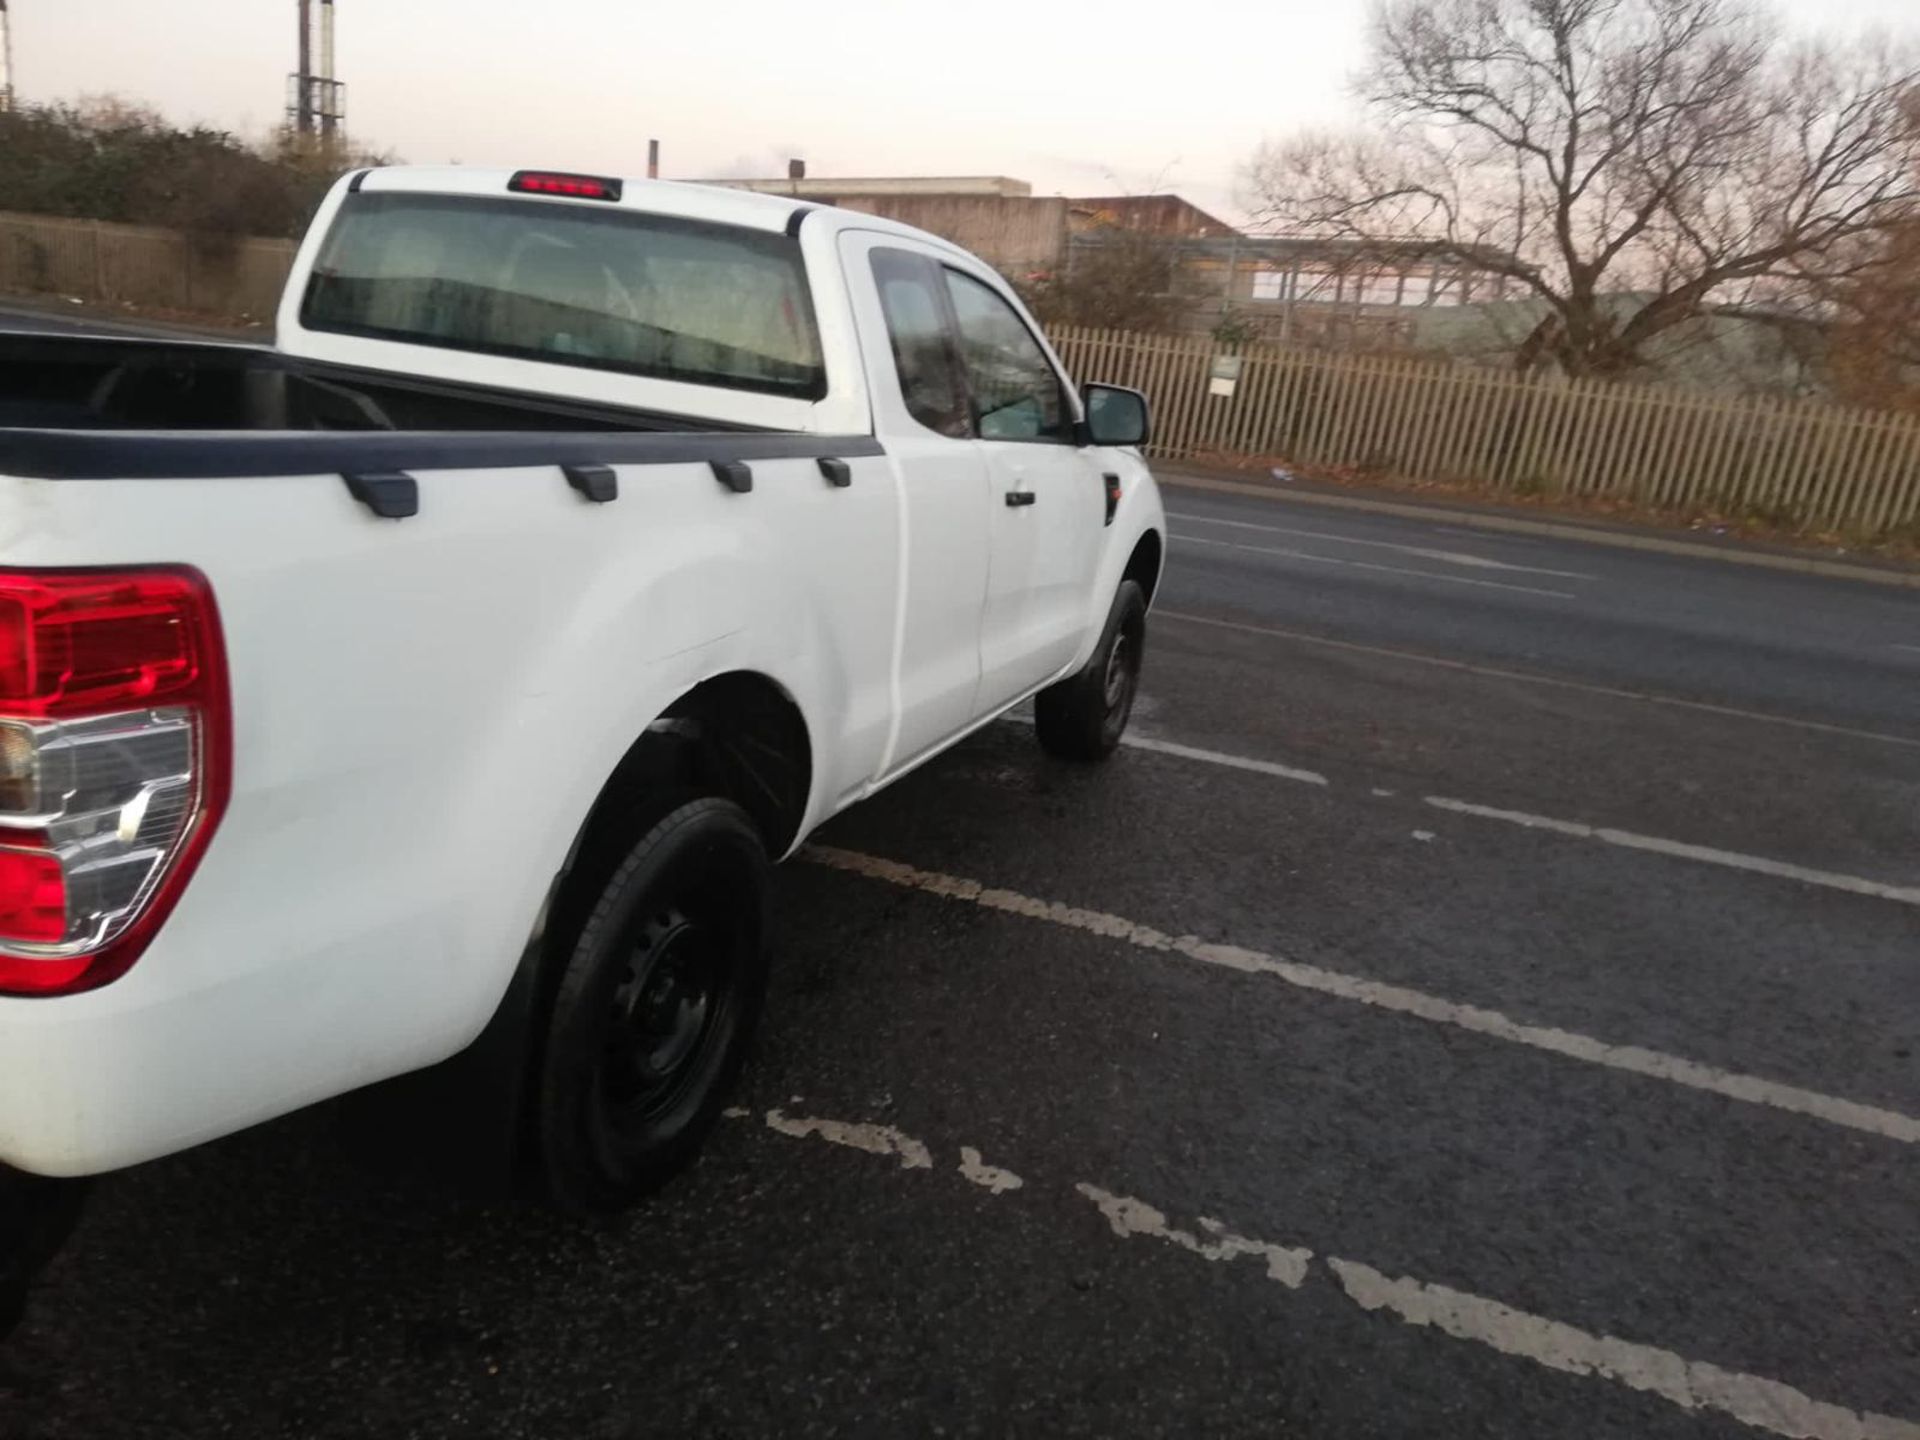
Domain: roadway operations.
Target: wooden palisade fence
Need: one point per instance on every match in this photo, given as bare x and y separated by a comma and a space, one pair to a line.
1803, 461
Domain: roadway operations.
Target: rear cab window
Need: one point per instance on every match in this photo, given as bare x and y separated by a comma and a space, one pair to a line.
601, 288
924, 360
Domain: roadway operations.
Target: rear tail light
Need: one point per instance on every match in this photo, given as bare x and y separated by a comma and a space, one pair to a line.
114, 765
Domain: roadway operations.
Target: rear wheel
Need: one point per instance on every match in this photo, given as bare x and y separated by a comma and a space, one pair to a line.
36, 1216
1083, 716
654, 1009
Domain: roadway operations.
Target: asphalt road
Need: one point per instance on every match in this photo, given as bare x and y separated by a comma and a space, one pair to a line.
1233, 1088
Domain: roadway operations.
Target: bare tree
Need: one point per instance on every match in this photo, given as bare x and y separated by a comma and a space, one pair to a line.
1631, 163
1871, 311
1117, 278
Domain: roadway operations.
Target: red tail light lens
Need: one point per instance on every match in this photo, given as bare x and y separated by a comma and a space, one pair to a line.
114, 756
80, 643
33, 895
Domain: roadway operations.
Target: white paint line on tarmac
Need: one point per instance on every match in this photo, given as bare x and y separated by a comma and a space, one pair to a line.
1910, 649
1369, 565
1220, 757
1450, 557
1625, 839
1497, 672
1397, 999
1210, 757
1693, 1385
1681, 850
990, 1178
1690, 1384
1129, 1217
874, 1139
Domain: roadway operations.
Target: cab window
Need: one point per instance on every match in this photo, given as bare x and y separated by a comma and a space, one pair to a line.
1016, 394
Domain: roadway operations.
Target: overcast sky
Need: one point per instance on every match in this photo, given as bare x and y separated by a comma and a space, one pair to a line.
1080, 98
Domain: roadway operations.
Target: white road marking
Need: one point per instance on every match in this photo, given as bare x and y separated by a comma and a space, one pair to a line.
1398, 999
874, 1139
1467, 667
1219, 757
1753, 1400
1691, 1384
1129, 1217
988, 1177
1451, 557
1681, 850
1369, 565
1383, 794
1911, 649
1211, 757
1626, 839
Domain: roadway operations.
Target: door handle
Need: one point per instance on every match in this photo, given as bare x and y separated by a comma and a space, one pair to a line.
1020, 497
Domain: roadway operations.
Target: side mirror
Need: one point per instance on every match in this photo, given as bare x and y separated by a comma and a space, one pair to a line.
1116, 415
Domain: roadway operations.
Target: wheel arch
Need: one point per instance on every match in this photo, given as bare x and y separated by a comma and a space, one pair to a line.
739, 734
1143, 565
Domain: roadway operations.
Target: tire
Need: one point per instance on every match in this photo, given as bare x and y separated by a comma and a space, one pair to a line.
654, 1009
36, 1217
1083, 716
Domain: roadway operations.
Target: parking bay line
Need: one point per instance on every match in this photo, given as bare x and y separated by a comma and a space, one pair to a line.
1397, 999
1450, 557
1220, 757
1369, 565
1681, 850
1211, 757
1606, 835
1445, 662
1754, 1400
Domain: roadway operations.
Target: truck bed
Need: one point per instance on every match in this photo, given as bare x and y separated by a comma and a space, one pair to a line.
86, 407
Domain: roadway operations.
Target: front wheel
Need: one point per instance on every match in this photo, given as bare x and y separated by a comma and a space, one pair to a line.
654, 1009
1083, 716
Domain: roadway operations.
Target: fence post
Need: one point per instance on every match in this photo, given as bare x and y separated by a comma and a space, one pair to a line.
99, 267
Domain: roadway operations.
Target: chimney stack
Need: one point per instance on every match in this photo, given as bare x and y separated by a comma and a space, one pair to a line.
303, 78
6, 61
653, 159
329, 93
796, 169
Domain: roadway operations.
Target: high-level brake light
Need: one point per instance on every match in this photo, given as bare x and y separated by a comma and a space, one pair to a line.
573, 187
114, 765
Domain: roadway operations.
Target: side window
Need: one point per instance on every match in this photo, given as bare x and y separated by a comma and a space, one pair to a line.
1015, 391
923, 358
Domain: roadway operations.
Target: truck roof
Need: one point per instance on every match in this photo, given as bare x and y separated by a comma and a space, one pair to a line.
717, 204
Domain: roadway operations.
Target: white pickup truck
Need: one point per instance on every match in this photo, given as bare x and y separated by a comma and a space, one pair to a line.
437, 685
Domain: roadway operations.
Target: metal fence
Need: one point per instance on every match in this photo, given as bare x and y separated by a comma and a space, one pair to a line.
1799, 460
1796, 460
238, 279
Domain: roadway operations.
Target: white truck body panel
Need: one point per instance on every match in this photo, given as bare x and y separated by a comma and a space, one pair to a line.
424, 712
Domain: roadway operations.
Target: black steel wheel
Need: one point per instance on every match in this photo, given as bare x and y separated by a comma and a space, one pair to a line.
654, 1009
1083, 716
